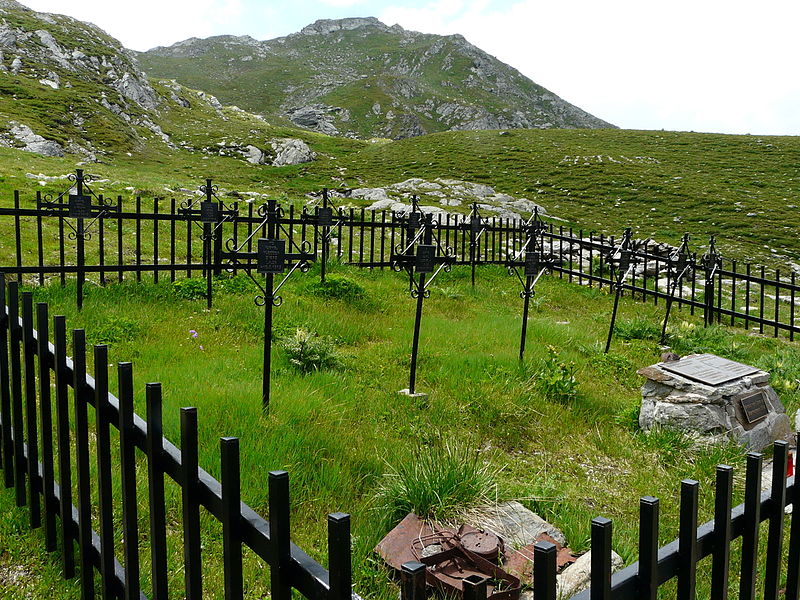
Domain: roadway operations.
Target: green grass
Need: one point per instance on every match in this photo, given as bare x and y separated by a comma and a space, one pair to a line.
345, 434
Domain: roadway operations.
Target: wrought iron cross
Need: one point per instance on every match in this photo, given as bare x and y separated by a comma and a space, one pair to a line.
711, 262
209, 213
621, 261
270, 258
534, 261
78, 206
421, 254
680, 265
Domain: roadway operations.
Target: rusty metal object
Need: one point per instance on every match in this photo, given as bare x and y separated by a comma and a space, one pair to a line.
520, 564
451, 556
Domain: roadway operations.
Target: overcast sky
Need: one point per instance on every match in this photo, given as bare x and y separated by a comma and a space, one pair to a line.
727, 66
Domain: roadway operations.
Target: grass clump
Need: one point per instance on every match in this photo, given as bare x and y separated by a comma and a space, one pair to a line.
309, 352
437, 482
113, 329
337, 287
555, 379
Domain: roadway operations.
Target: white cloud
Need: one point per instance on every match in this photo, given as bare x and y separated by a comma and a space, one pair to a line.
706, 66
150, 23
341, 3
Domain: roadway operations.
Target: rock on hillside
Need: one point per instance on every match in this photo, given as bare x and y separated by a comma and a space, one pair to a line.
359, 77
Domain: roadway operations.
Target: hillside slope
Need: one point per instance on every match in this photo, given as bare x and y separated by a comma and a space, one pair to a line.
360, 78
67, 87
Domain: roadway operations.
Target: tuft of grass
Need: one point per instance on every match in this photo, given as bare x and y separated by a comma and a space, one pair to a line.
113, 329
637, 329
436, 482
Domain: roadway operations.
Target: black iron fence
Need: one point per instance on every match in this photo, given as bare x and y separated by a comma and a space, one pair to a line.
44, 432
41, 387
115, 239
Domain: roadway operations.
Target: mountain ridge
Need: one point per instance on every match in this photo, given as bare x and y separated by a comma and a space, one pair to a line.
359, 77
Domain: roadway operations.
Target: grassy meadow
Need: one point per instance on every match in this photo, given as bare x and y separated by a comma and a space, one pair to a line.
558, 432
744, 189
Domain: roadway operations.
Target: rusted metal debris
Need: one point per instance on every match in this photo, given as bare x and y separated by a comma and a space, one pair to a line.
452, 556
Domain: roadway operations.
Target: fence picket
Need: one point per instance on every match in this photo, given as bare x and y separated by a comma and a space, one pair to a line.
104, 480
17, 422
6, 445
775, 533
231, 515
46, 419
82, 463
192, 558
687, 549
155, 485
28, 354
127, 443
64, 448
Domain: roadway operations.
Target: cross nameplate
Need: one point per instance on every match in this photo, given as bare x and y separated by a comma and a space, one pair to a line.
80, 207
425, 258
325, 216
475, 224
414, 219
209, 212
271, 256
533, 262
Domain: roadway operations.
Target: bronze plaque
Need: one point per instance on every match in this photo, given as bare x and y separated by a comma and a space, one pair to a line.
754, 407
709, 369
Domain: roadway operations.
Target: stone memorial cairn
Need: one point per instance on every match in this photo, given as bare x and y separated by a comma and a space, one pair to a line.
714, 397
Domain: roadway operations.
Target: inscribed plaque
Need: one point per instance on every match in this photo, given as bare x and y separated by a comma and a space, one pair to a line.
426, 255
709, 369
271, 255
80, 207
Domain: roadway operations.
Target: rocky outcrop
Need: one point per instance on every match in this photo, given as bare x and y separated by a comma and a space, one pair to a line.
291, 151
435, 196
31, 142
39, 55
317, 117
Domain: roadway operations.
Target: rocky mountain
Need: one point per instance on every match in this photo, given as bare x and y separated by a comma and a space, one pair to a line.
361, 78
67, 87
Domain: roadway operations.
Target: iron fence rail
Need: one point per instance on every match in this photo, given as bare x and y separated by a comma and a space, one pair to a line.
162, 239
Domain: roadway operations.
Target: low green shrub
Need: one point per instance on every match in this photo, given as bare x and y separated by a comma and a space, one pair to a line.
112, 330
310, 352
191, 288
556, 379
337, 287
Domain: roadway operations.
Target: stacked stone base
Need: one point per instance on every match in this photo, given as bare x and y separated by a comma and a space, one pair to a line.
670, 400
